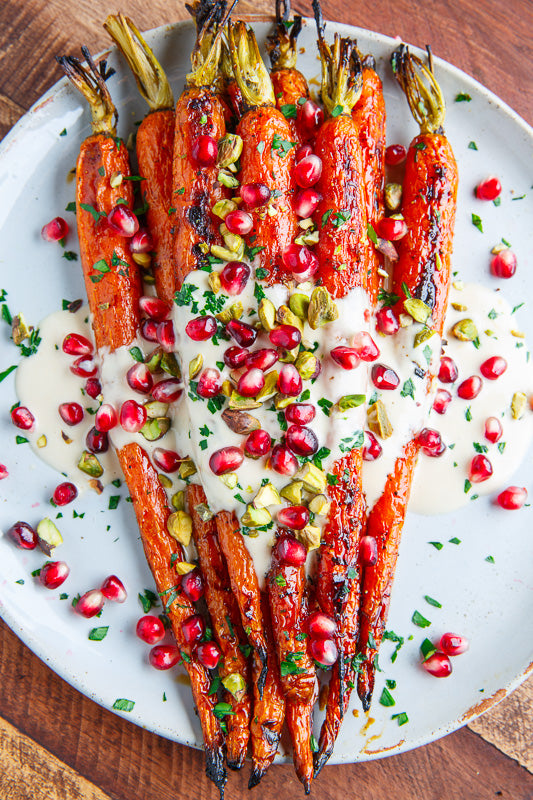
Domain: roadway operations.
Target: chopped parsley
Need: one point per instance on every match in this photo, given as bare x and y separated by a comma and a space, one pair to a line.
122, 704
462, 97
97, 634
432, 601
386, 698
408, 389
477, 223
420, 620
387, 299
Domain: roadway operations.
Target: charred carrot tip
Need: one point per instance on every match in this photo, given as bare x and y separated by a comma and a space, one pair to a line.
214, 768
256, 776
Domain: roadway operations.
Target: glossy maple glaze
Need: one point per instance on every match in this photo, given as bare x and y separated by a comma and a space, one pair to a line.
289, 87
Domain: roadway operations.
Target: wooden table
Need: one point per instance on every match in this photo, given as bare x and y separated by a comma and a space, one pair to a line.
55, 743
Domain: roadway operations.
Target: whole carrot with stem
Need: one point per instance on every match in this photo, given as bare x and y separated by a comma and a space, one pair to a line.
422, 272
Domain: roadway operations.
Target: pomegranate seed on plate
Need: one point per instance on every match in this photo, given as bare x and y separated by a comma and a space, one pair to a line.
22, 418
53, 574
442, 400
306, 202
234, 277
205, 150
430, 442
470, 388
71, 413
132, 416
311, 116
167, 391
74, 344
395, 154
122, 220
193, 628
113, 589
480, 469
166, 335
289, 380
453, 644
251, 382
303, 151
239, 222
300, 413
489, 189
365, 346
227, 459
166, 460
301, 441
294, 517
90, 604
503, 264
254, 195
3, 472
208, 654
262, 359
201, 328
141, 242
384, 378
493, 429
346, 357
243, 333
368, 551
391, 228
209, 382
512, 498
371, 448
438, 665
140, 378
258, 444
386, 321
308, 171
105, 418
493, 367
320, 626
235, 357
154, 308
283, 461
54, 230
84, 367
193, 585
164, 656
64, 493
300, 261
290, 551
23, 535
97, 441
150, 629
448, 372
93, 388
286, 336
324, 651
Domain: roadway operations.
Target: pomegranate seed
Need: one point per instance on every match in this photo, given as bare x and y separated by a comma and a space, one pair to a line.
290, 551
84, 367
74, 344
453, 644
23, 536
64, 493
430, 442
365, 346
283, 461
488, 189
493, 429
386, 321
503, 264
141, 242
150, 629
262, 359
235, 357
320, 626
234, 277
208, 654
53, 574
193, 628
140, 378
239, 222
54, 230
289, 381
90, 604
438, 665
122, 220
324, 651
301, 441
154, 308
97, 441
300, 413
442, 400
311, 116
345, 357
384, 378
3, 472
368, 551
308, 171
205, 151
166, 335
391, 228
303, 151
166, 460
371, 448
201, 328
132, 416
164, 656
300, 261
243, 333
227, 459
167, 391
492, 368
286, 336
105, 418
258, 444
480, 469
113, 589
149, 330
254, 195
470, 387
22, 418
71, 413
93, 388
395, 154
193, 585
294, 517
512, 498
306, 202
448, 372
209, 383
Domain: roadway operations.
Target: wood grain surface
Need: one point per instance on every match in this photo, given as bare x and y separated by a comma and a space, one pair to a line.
55, 744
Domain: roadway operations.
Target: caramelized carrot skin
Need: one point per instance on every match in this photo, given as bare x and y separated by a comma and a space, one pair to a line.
113, 294
155, 145
343, 246
290, 86
272, 166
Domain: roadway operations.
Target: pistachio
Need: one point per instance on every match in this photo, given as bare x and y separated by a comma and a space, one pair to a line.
239, 421
299, 304
307, 365
184, 567
306, 223
214, 281
230, 479
459, 285
223, 208
518, 334
256, 517
179, 525
235, 684
169, 364
267, 495
285, 316
309, 537
350, 401
405, 320
226, 254
95, 484
322, 309
153, 361
465, 330
195, 365
204, 512
229, 149
19, 329
42, 441
178, 501
227, 179
224, 316
236, 310
282, 401
142, 259
308, 237
438, 262
378, 421
165, 481
236, 400
203, 247
288, 356
187, 468
320, 505
89, 464
227, 388
269, 389
154, 429
518, 405
116, 179
267, 313
419, 310
498, 248
48, 535
293, 492
423, 335
156, 409
314, 479
233, 241
393, 196
459, 307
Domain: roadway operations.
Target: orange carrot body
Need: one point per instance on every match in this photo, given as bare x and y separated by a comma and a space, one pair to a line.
290, 86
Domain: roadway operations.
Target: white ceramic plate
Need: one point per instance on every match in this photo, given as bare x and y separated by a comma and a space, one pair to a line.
492, 604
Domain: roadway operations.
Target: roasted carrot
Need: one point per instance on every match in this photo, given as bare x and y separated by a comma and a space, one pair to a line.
113, 288
423, 270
